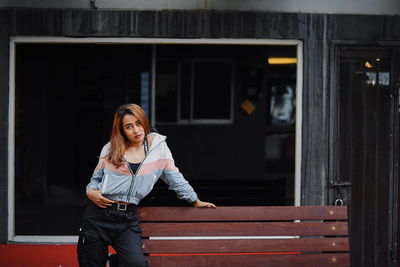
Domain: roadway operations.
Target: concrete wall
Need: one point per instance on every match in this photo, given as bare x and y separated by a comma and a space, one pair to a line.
383, 7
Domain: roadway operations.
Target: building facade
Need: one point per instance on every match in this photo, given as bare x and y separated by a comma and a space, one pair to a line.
319, 129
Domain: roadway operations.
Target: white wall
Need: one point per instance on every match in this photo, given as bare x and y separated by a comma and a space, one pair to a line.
387, 7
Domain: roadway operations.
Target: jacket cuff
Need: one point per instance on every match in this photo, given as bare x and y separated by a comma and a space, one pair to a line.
192, 198
90, 187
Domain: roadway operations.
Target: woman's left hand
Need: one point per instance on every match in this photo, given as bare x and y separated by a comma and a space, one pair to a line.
200, 204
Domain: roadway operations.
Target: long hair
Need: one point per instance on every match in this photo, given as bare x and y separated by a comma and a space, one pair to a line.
118, 140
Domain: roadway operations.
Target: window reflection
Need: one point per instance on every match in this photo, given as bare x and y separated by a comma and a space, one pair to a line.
283, 104
281, 118
376, 78
384, 78
371, 68
371, 78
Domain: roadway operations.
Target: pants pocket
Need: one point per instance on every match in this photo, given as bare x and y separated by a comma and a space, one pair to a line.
91, 250
135, 228
80, 240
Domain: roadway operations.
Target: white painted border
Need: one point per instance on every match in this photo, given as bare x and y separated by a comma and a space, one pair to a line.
125, 40
73, 239
129, 40
153, 75
11, 140
299, 123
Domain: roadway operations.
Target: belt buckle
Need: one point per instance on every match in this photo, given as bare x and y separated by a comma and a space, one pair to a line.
121, 206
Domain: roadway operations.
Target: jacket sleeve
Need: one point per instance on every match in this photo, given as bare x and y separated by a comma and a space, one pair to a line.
97, 176
175, 180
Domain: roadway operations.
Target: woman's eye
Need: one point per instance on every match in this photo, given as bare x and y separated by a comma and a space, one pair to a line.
128, 127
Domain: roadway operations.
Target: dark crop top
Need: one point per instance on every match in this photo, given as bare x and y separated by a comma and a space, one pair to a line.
134, 166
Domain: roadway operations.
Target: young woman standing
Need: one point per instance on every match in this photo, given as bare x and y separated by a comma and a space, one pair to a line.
129, 166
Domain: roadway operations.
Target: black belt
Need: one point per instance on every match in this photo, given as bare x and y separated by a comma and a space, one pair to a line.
122, 207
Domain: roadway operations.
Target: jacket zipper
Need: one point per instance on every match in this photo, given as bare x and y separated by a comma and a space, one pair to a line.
133, 178
134, 174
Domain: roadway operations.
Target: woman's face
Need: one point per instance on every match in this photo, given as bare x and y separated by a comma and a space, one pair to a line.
133, 129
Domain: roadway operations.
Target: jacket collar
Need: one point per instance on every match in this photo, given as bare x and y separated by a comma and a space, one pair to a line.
157, 139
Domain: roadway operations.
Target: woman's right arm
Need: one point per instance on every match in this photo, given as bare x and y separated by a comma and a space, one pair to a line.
97, 176
98, 199
93, 188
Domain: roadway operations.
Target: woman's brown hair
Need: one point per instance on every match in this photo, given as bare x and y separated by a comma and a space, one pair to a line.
118, 140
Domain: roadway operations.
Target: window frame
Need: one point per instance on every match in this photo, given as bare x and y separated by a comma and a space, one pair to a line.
191, 120
14, 40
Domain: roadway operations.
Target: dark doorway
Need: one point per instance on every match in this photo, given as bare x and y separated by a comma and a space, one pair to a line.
367, 99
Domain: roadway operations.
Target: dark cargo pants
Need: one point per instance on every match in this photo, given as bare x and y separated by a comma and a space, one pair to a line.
103, 227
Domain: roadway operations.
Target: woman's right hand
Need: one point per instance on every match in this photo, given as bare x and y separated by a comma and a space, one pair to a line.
98, 199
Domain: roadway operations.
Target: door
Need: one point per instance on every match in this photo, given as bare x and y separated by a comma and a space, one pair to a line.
366, 156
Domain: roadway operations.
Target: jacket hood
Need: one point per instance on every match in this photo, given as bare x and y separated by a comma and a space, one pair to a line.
157, 139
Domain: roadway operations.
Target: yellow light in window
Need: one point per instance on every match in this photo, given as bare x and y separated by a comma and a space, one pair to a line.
368, 65
282, 60
378, 59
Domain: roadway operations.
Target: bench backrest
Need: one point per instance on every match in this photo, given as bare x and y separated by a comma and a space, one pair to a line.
248, 236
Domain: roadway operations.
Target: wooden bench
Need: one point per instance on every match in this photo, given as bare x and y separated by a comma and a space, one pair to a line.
248, 236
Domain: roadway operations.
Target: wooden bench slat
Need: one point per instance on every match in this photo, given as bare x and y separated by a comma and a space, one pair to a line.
246, 245
243, 213
325, 232
245, 229
285, 260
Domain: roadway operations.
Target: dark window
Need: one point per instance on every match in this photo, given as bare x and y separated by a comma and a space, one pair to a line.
66, 96
212, 90
167, 79
203, 88
280, 124
185, 90
251, 159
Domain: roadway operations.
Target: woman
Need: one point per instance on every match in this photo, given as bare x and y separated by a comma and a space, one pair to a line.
129, 166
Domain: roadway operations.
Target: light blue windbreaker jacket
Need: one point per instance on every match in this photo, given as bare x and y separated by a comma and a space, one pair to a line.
115, 183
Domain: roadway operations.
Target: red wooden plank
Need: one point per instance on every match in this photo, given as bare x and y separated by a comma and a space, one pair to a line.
246, 245
243, 213
285, 260
245, 229
27, 255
